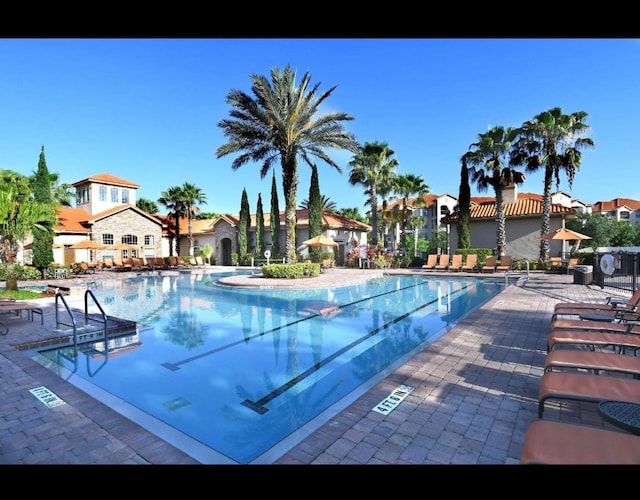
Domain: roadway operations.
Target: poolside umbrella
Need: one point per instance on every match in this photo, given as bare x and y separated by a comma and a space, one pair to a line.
565, 234
88, 245
320, 241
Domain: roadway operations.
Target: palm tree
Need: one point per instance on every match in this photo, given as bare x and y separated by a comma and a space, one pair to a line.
385, 189
488, 157
19, 215
62, 194
415, 222
191, 195
172, 200
552, 140
372, 165
327, 204
282, 122
408, 185
352, 213
146, 205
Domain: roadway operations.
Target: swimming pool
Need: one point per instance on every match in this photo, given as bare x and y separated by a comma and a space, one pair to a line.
238, 375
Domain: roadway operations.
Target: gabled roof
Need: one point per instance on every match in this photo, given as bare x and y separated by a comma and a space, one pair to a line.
523, 207
77, 220
616, 203
107, 179
121, 208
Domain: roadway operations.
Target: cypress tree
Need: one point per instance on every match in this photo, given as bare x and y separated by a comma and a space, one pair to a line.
464, 208
259, 227
315, 214
42, 246
275, 220
243, 227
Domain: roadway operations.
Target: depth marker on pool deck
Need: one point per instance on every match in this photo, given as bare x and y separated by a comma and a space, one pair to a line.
392, 400
47, 397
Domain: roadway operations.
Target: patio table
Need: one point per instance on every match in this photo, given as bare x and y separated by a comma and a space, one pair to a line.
621, 414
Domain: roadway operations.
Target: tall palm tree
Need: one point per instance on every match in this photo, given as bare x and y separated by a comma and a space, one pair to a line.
171, 199
19, 215
408, 185
282, 121
191, 196
552, 140
372, 165
385, 189
488, 158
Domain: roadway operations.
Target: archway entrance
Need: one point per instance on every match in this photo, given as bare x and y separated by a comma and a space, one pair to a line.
226, 252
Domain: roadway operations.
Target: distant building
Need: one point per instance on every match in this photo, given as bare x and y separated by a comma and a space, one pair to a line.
105, 212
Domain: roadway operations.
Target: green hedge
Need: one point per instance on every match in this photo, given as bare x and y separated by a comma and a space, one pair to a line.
291, 271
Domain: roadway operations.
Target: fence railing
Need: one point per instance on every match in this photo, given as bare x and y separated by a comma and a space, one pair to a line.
625, 274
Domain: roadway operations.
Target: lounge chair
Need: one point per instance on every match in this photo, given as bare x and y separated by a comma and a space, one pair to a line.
432, 260
505, 264
587, 388
594, 362
548, 442
608, 308
443, 263
556, 264
490, 264
456, 263
470, 263
624, 314
619, 341
572, 263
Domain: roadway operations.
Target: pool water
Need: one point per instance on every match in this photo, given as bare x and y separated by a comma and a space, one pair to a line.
240, 370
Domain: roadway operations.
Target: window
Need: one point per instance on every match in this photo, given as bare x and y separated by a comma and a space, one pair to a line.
129, 239
148, 240
125, 196
82, 195
103, 193
107, 239
625, 215
114, 195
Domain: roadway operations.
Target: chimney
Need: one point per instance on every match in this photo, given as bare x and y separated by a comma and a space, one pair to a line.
510, 193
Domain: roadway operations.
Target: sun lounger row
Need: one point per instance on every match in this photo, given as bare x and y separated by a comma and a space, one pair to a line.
587, 362
453, 264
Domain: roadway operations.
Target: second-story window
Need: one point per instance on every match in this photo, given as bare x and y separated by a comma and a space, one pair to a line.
125, 196
129, 239
103, 193
114, 195
107, 239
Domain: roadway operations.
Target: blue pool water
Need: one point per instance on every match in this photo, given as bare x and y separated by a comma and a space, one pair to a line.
239, 370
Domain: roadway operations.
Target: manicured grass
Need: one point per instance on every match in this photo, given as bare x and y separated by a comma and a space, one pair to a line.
20, 294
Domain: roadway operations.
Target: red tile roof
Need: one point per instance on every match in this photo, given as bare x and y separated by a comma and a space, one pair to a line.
607, 206
523, 207
107, 179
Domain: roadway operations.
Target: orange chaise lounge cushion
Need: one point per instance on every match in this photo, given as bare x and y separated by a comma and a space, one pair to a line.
549, 442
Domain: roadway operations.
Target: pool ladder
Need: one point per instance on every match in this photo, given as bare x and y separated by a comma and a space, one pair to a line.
74, 324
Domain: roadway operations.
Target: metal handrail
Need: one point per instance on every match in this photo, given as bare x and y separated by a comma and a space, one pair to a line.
87, 318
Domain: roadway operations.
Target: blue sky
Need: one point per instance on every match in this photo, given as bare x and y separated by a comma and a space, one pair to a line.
147, 110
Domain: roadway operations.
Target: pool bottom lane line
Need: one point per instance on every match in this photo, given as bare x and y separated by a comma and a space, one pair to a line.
259, 405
